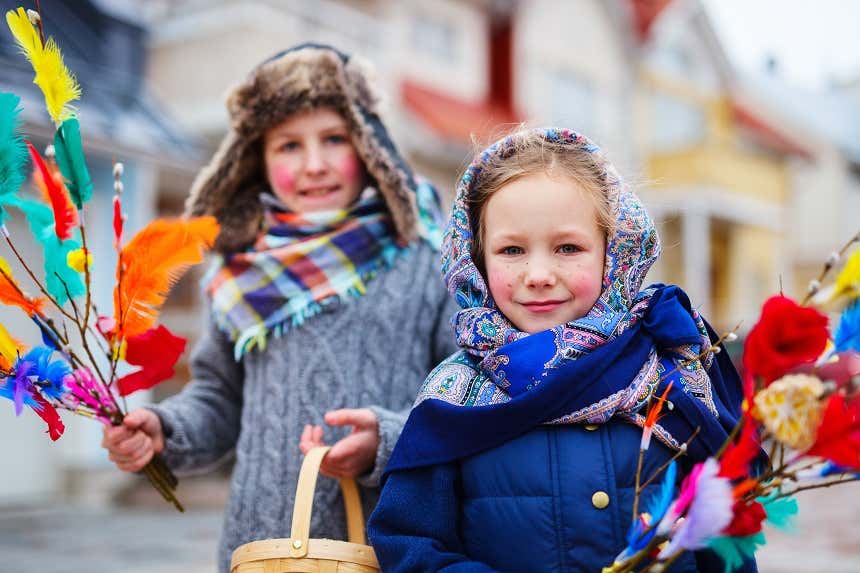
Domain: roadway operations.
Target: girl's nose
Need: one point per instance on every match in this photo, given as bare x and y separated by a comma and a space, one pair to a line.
538, 275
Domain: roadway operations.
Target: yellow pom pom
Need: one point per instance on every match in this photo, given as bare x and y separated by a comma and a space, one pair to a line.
75, 260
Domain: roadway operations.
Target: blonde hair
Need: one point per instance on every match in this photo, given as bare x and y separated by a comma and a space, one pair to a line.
532, 153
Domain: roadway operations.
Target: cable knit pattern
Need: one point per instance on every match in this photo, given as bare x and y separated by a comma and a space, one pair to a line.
373, 351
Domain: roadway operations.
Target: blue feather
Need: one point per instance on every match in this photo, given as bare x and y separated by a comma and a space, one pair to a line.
656, 507
848, 334
50, 373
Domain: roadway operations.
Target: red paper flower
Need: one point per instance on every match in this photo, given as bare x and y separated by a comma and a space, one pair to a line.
786, 336
746, 519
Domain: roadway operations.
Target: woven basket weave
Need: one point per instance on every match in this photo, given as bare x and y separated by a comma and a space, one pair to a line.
299, 553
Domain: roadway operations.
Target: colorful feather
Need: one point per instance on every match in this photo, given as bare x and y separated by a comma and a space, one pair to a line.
848, 332
736, 459
60, 280
156, 351
847, 285
117, 222
55, 192
781, 511
49, 414
85, 390
638, 536
709, 512
70, 157
735, 550
151, 263
52, 76
652, 417
11, 293
13, 152
49, 374
9, 349
838, 438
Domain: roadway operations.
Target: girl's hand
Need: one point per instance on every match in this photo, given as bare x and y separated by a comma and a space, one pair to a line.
132, 445
355, 454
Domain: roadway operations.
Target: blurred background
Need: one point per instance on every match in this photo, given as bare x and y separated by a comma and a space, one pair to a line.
737, 121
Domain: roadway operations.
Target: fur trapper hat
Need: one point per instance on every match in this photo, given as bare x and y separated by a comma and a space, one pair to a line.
304, 77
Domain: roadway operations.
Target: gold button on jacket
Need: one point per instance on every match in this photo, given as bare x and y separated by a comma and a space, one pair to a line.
600, 499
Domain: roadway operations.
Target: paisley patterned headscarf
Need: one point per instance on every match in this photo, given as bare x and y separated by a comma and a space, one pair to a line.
606, 364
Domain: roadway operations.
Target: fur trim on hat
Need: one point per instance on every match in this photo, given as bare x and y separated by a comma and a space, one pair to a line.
302, 78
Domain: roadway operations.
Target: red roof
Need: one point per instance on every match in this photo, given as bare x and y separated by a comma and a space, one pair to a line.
645, 12
766, 134
455, 119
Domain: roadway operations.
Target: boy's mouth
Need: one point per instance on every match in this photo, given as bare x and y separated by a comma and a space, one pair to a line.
315, 192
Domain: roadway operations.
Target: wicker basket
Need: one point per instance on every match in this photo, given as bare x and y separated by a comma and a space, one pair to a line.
299, 553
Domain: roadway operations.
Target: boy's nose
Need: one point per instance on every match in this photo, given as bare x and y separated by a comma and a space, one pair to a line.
314, 161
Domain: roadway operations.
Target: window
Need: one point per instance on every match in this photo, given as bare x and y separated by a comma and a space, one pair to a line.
435, 37
677, 123
571, 101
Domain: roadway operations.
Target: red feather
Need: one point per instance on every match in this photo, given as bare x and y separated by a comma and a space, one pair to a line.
156, 351
838, 437
65, 214
51, 417
737, 457
117, 221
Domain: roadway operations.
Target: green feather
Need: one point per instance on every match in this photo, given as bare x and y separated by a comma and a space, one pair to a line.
13, 152
780, 512
57, 271
70, 157
734, 550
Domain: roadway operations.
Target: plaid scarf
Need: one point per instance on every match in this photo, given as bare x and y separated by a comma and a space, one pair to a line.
301, 263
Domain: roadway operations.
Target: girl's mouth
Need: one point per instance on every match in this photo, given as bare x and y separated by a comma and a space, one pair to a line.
541, 306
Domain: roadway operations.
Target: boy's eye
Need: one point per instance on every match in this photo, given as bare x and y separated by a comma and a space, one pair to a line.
336, 139
512, 251
568, 249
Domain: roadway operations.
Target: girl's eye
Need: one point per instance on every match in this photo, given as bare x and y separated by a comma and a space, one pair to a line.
336, 139
568, 249
512, 251
289, 146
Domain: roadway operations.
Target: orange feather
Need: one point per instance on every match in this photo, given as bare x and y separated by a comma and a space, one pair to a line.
151, 263
11, 293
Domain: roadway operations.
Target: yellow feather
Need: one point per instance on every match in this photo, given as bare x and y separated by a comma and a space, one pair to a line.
8, 349
52, 76
56, 82
25, 34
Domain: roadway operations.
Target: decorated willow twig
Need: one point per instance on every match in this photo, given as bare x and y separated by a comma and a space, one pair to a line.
800, 386
59, 373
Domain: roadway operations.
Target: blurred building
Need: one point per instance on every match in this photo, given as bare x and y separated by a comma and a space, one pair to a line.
751, 183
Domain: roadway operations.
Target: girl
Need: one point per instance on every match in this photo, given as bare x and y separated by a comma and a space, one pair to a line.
521, 451
325, 296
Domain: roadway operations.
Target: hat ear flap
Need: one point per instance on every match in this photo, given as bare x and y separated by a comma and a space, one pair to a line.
228, 188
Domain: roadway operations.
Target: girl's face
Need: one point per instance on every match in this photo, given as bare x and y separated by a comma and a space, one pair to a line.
311, 163
543, 251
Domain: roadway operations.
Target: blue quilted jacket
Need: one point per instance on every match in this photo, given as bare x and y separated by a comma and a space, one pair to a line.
557, 499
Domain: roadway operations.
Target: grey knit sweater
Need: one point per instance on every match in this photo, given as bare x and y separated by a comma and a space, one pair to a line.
374, 351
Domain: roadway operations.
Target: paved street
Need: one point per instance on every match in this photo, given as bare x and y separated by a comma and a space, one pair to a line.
150, 539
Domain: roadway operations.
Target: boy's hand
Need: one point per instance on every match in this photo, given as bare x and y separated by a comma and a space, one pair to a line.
132, 445
355, 454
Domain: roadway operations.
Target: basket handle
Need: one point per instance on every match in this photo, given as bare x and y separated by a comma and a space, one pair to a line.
300, 531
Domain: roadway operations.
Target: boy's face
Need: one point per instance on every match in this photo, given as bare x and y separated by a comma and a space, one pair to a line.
311, 163
544, 251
